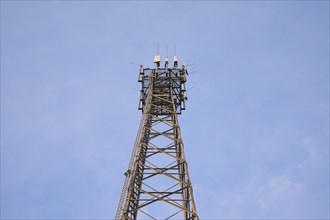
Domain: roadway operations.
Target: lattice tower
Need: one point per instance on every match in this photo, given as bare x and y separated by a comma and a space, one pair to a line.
157, 184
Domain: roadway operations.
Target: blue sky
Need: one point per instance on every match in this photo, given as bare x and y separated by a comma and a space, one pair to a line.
256, 129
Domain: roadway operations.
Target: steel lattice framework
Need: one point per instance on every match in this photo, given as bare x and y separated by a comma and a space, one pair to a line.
157, 184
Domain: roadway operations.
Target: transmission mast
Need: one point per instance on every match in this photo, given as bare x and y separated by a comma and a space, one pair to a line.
157, 184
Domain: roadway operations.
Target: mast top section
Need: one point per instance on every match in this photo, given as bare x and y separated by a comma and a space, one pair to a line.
164, 81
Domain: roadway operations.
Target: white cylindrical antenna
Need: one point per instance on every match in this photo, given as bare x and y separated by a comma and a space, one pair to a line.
175, 58
157, 60
166, 58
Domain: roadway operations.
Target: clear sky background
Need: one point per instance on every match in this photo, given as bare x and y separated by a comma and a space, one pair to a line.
256, 129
